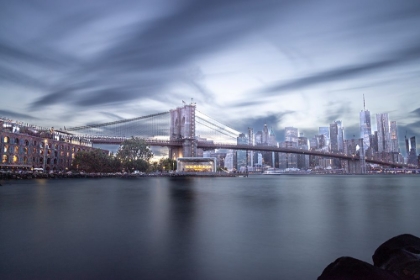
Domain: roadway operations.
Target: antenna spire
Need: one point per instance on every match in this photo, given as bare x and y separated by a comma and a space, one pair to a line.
364, 103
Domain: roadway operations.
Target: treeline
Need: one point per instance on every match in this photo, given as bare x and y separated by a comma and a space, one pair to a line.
133, 154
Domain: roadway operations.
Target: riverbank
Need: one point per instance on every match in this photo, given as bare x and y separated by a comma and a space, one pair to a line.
27, 175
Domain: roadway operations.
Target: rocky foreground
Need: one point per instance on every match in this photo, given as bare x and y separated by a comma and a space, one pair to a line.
397, 258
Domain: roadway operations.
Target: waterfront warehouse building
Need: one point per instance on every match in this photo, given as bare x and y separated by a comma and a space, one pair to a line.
26, 147
196, 164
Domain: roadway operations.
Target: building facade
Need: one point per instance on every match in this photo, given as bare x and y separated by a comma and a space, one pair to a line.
384, 137
365, 128
27, 147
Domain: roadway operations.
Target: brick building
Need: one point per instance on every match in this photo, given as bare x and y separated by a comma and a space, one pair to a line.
26, 147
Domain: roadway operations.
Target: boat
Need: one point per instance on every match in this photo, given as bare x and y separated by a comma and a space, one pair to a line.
273, 171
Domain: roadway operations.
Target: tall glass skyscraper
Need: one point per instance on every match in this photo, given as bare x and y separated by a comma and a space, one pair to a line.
365, 128
412, 158
241, 157
291, 134
337, 136
326, 132
395, 147
384, 136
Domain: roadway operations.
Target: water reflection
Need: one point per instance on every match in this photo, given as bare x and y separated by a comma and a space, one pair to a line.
199, 228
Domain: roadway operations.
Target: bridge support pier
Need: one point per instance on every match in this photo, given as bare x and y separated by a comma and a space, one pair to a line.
183, 128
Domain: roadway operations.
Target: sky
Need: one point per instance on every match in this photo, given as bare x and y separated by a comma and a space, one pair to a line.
245, 63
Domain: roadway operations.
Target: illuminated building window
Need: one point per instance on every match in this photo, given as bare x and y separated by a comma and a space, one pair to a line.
5, 159
6, 139
16, 149
15, 159
5, 148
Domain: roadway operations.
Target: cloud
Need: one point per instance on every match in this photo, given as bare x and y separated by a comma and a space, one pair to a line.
8, 75
403, 56
150, 55
113, 116
416, 112
336, 110
14, 115
273, 120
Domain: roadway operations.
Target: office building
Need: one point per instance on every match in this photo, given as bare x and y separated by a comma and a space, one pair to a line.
241, 155
326, 141
412, 158
303, 160
384, 136
395, 147
336, 137
365, 126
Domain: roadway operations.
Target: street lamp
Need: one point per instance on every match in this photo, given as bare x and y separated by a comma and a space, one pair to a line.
45, 153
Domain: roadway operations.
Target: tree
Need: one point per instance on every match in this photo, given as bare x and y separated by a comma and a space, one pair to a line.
134, 154
95, 161
167, 164
133, 149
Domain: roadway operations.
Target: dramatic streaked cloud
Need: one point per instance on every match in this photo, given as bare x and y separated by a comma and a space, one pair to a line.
14, 115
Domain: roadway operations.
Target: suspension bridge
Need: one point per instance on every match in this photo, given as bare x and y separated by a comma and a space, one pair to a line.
185, 129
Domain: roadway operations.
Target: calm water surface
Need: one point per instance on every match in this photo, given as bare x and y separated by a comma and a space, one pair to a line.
262, 227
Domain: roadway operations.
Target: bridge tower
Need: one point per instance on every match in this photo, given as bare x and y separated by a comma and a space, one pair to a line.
183, 129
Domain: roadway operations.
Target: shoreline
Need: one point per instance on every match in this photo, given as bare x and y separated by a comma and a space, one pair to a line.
31, 176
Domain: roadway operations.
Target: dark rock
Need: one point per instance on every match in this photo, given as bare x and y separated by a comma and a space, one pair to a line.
347, 268
400, 255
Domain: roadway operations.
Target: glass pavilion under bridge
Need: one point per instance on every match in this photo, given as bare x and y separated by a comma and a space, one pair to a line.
196, 164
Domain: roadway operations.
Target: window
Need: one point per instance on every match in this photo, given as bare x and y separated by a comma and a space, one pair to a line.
17, 141
5, 159
16, 149
5, 148
15, 159
6, 139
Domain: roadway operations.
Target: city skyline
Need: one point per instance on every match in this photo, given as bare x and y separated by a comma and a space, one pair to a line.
279, 63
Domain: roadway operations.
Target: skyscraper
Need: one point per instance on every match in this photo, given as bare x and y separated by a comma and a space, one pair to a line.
291, 134
265, 134
412, 159
241, 156
395, 147
251, 143
384, 136
407, 146
365, 125
326, 142
337, 136
259, 137
303, 160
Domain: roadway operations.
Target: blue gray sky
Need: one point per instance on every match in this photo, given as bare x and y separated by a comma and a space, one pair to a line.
244, 62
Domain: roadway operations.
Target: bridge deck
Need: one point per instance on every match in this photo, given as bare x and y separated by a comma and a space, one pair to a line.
209, 145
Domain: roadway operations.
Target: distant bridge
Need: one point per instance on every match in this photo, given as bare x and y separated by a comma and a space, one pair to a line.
184, 130
206, 145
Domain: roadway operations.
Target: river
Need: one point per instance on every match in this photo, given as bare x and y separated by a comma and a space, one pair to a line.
261, 227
